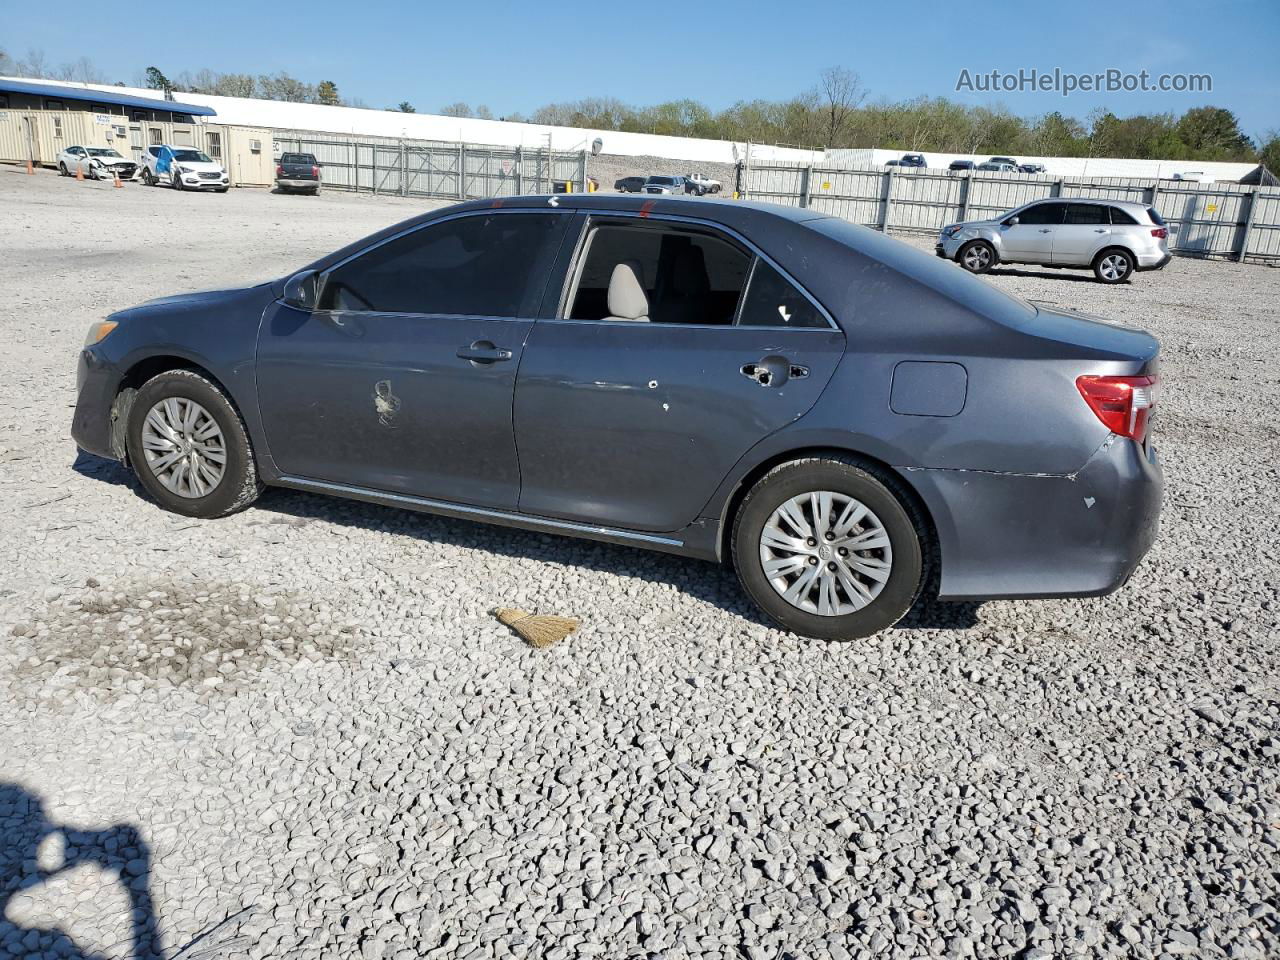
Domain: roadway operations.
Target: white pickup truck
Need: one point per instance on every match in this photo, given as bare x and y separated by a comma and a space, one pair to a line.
703, 184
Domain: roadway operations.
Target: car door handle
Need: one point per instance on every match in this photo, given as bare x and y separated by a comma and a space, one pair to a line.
1101, 230
773, 371
1046, 230
483, 351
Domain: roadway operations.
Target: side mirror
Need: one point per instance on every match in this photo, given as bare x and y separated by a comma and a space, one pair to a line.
302, 290
1011, 222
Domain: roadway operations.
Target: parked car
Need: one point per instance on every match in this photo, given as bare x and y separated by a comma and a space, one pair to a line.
665, 184
1193, 176
661, 382
1111, 237
298, 173
96, 163
629, 184
961, 165
992, 166
1031, 168
183, 168
701, 184
908, 160
1009, 160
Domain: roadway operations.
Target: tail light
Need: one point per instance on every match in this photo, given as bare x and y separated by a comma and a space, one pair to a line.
1123, 404
280, 170
315, 171
1159, 232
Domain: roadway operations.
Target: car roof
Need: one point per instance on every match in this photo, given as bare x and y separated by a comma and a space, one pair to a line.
1129, 204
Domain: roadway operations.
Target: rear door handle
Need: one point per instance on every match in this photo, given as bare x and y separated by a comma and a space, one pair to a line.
1101, 230
773, 371
483, 352
1046, 230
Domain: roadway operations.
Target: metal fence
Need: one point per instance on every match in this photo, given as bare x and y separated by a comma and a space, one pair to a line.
1210, 220
430, 168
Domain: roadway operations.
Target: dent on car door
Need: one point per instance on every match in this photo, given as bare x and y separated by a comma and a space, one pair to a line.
403, 380
676, 351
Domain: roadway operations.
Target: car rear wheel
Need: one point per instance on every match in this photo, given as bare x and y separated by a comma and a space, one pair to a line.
189, 448
1113, 266
829, 548
977, 256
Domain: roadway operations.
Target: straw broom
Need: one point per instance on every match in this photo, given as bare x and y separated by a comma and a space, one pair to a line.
537, 631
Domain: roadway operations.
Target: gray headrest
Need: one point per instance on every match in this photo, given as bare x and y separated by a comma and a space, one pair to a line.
627, 299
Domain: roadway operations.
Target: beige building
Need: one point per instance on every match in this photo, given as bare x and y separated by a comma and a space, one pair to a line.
38, 121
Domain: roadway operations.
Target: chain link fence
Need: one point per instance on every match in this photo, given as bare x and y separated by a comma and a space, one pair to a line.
429, 168
1210, 220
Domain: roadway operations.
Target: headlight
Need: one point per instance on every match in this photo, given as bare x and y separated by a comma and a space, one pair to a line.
182, 169
952, 230
99, 331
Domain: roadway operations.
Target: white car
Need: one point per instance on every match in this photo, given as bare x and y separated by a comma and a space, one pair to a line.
184, 168
703, 184
96, 163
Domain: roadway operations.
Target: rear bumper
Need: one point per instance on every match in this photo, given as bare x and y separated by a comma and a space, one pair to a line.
1019, 535
1154, 261
289, 183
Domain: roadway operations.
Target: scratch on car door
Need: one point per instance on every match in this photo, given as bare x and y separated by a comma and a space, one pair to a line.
386, 403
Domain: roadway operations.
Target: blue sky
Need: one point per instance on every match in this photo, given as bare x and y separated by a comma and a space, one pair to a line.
517, 56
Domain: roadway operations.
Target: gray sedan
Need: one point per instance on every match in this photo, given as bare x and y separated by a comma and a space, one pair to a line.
851, 424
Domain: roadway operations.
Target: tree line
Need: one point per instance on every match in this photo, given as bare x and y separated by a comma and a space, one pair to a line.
834, 113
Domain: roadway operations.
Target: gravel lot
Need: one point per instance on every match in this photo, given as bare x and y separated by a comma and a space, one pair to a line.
298, 732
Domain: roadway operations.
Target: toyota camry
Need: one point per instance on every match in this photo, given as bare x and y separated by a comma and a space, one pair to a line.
848, 422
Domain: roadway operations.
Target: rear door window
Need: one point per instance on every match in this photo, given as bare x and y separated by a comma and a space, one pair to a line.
491, 265
688, 275
1087, 214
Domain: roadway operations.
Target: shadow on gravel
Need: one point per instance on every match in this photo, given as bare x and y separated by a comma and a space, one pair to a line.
1043, 274
34, 850
716, 585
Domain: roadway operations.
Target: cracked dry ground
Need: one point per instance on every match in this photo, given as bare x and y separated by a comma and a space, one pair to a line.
298, 732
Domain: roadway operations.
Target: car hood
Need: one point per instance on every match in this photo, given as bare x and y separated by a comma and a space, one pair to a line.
179, 299
112, 161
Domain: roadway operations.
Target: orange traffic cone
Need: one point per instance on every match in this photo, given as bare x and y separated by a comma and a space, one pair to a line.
116, 177
31, 170
79, 172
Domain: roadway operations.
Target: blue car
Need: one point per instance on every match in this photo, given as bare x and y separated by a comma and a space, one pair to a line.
850, 423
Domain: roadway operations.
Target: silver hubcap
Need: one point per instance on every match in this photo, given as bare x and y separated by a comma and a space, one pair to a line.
977, 257
184, 447
826, 553
1114, 267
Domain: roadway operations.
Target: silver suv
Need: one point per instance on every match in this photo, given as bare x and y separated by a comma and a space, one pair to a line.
1112, 237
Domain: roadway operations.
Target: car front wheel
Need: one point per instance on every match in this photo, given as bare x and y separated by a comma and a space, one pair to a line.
830, 548
189, 448
1113, 266
977, 256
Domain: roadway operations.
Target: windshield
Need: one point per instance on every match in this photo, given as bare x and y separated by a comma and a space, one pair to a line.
102, 152
191, 156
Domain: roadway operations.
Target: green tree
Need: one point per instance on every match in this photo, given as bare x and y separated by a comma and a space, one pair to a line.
327, 93
1213, 133
1269, 152
406, 107
157, 80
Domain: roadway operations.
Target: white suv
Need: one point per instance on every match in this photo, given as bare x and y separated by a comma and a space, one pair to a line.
185, 168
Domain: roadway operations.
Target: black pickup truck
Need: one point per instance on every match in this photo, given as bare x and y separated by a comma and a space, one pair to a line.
298, 172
